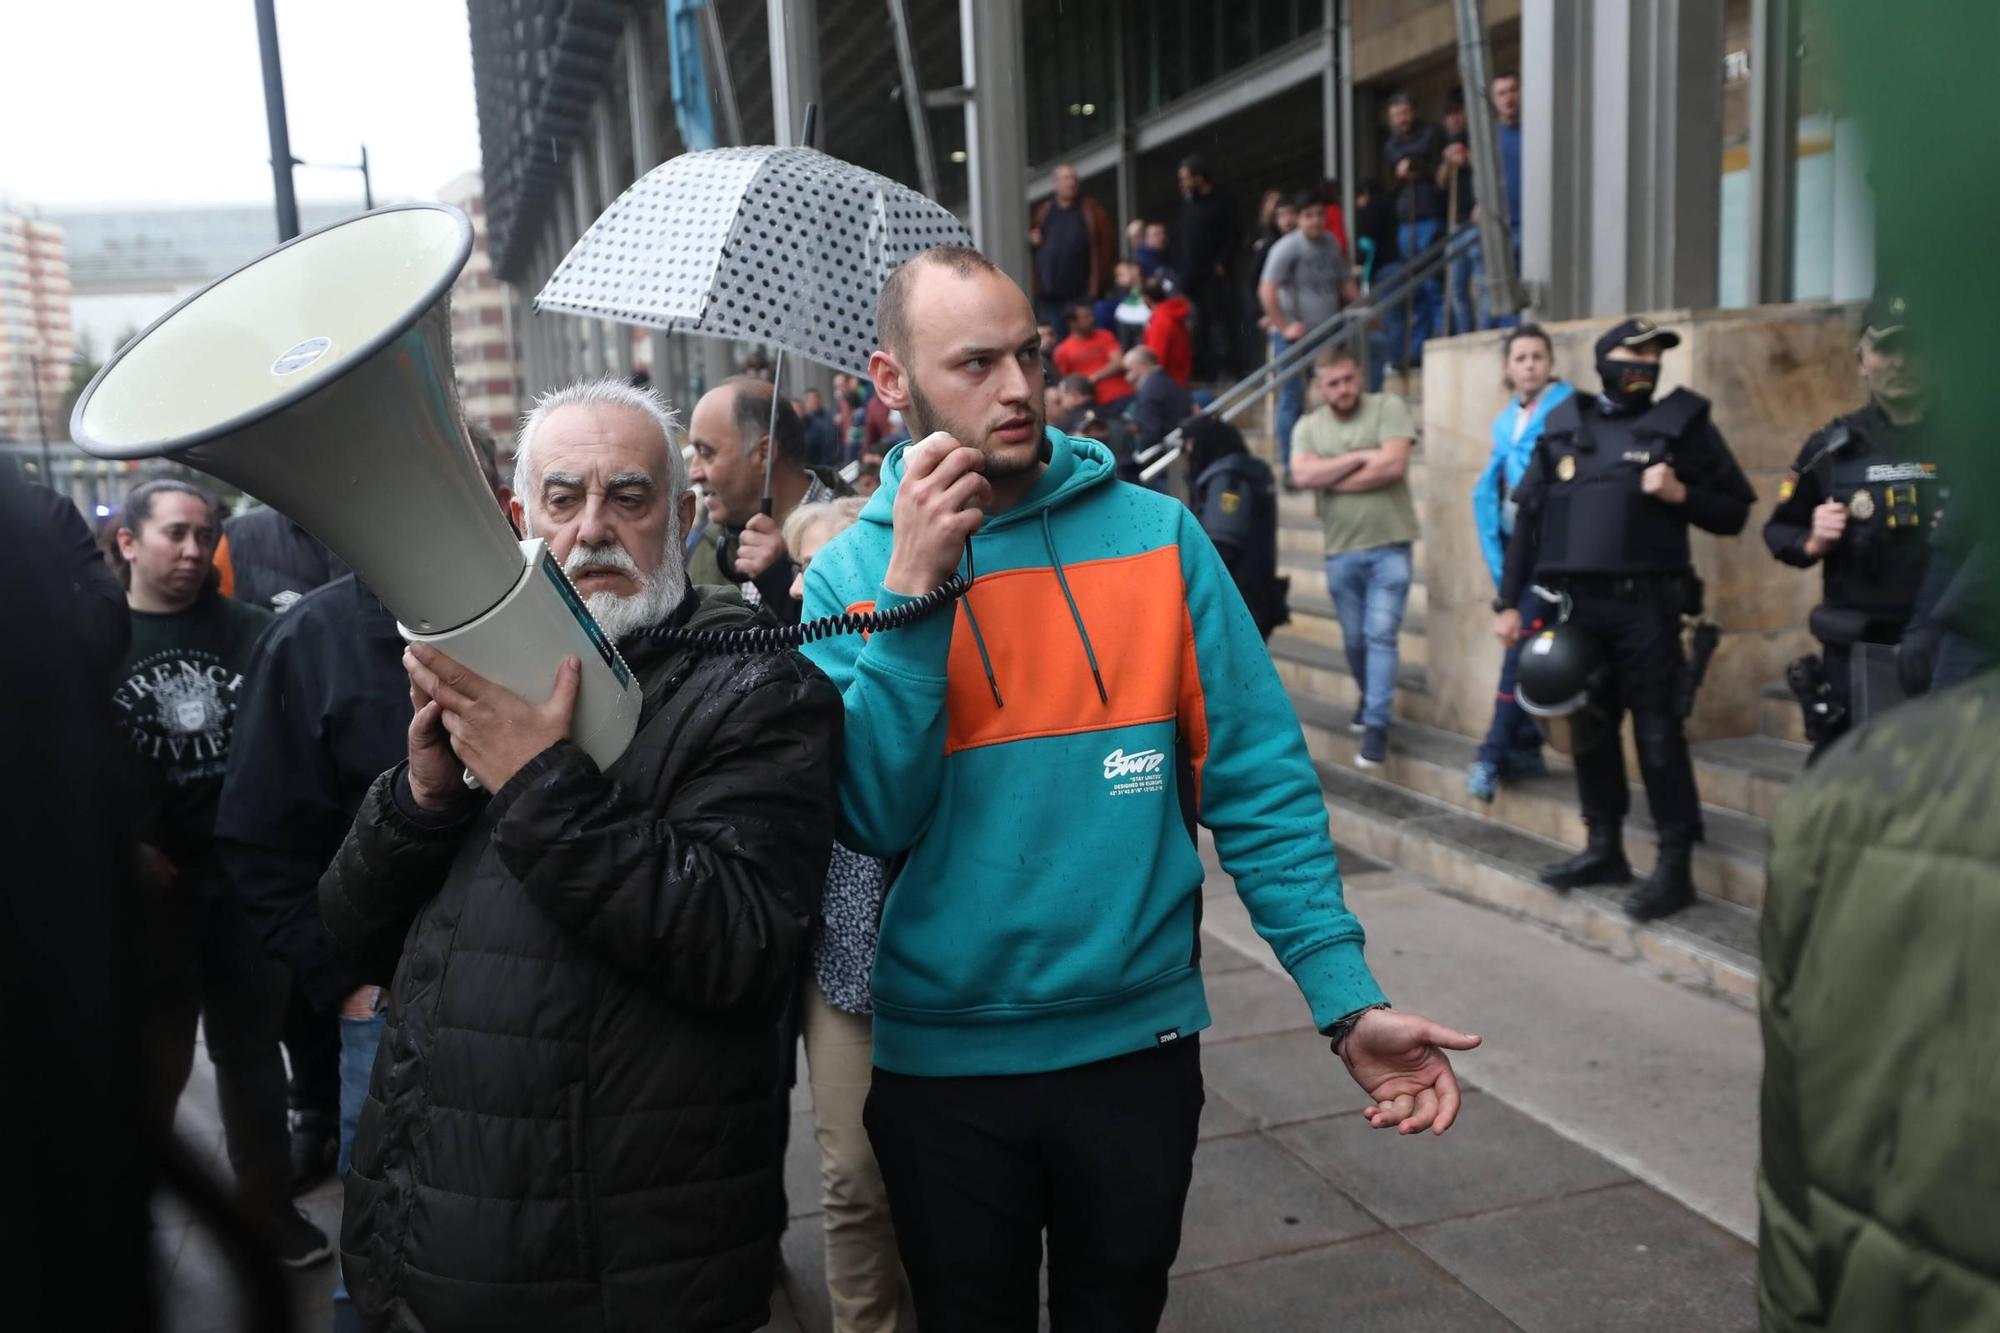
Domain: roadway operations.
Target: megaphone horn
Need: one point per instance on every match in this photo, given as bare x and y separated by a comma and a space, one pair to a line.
318, 378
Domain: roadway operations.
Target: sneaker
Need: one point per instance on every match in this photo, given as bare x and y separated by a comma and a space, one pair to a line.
1355, 724
297, 1243
1520, 765
1374, 748
1482, 782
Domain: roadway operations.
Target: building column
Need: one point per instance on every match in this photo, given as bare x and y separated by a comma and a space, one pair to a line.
1774, 120
794, 34
1556, 227
996, 132
606, 186
639, 57
1656, 153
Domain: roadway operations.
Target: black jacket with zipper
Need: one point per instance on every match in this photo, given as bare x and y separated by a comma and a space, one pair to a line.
574, 1121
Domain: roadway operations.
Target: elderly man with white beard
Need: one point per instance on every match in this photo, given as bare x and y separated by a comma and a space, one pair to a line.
572, 1120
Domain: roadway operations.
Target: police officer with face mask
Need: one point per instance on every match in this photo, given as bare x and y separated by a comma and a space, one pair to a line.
1861, 501
1604, 511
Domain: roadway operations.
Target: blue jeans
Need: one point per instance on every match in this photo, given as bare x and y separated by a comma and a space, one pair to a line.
1513, 731
1291, 403
1466, 277
1370, 588
359, 1038
1415, 316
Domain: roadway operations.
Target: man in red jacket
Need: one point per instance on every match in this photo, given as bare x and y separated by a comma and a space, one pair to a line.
1167, 336
1094, 354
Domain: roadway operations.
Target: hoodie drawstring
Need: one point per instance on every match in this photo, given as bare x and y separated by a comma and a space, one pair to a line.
978, 639
1076, 616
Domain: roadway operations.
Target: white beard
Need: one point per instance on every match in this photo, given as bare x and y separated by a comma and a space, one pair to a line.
622, 616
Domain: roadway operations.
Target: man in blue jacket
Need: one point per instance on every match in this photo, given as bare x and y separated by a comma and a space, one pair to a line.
1035, 755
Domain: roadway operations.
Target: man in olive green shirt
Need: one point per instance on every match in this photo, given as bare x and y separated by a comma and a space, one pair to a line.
1354, 451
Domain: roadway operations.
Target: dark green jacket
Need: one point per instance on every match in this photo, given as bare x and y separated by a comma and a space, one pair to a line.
1879, 1184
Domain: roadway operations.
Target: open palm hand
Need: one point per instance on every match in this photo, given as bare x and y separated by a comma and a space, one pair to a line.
1399, 1060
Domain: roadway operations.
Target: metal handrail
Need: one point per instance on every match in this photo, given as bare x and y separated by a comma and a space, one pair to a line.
1337, 330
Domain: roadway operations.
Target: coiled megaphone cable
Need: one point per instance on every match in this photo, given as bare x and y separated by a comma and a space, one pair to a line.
775, 638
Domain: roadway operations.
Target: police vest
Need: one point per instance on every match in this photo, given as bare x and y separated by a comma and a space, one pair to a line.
1892, 504
1596, 516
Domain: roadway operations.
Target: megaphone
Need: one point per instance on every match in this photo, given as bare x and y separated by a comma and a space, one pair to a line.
318, 378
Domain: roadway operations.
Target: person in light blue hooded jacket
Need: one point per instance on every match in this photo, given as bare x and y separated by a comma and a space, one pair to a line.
1513, 748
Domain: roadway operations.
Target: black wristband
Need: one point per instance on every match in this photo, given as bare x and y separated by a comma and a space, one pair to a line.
1344, 1027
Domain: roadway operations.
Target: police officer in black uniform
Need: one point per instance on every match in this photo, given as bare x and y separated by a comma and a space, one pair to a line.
1861, 500
1233, 495
1604, 510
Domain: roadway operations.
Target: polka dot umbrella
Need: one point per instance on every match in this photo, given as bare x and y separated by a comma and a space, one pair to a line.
780, 245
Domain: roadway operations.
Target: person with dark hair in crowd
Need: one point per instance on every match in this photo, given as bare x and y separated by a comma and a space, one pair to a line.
1602, 521
1465, 273
731, 431
1167, 336
1151, 250
1075, 243
1412, 153
326, 705
1124, 309
1232, 493
822, 439
1512, 749
1075, 395
74, 1211
1158, 405
864, 1278
1207, 235
573, 1120
276, 561
1037, 987
1306, 281
175, 700
1093, 353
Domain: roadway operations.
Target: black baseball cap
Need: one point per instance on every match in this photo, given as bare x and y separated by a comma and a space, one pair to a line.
1637, 333
1885, 319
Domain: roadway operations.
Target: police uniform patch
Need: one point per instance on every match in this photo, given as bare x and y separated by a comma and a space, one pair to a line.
1787, 487
1566, 467
1862, 506
1231, 502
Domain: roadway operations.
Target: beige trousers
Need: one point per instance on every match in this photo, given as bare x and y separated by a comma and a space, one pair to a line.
863, 1276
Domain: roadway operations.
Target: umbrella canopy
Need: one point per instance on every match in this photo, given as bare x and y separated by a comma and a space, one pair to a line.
786, 246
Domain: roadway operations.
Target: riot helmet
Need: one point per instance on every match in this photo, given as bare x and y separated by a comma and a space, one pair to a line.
1561, 678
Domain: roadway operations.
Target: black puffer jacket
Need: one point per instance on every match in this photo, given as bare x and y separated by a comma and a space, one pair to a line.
574, 1119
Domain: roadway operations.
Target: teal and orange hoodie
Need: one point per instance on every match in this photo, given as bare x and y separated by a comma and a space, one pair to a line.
1037, 755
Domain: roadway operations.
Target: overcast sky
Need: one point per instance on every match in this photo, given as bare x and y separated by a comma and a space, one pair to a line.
162, 102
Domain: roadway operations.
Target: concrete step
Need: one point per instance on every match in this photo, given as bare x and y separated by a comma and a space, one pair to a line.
1779, 715
1711, 947
1319, 672
1431, 763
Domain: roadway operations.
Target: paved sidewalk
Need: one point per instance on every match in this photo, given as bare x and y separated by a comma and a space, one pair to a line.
1301, 1217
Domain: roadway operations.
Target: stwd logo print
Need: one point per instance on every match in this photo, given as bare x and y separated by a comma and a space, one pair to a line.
1136, 774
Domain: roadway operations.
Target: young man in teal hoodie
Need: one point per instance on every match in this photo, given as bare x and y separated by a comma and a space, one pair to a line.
1038, 757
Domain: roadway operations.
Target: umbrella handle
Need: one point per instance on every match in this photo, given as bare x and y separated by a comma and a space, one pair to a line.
812, 119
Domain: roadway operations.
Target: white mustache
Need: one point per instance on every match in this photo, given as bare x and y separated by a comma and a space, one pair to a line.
608, 556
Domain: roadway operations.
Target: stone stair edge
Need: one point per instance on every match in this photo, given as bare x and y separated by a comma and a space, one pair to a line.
1694, 948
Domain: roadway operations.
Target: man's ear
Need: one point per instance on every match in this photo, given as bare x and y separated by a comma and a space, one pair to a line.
687, 512
890, 381
517, 513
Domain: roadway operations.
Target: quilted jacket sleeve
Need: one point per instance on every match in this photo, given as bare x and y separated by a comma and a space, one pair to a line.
388, 867
707, 889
